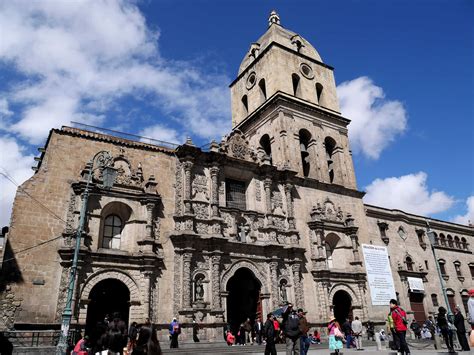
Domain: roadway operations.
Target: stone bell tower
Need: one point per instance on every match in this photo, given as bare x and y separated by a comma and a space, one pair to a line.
284, 100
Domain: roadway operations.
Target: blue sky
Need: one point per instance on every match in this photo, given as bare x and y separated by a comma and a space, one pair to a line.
162, 69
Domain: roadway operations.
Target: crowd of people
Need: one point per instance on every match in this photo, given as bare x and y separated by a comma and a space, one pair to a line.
112, 336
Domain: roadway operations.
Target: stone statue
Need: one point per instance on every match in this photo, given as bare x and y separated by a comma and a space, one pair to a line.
199, 290
283, 295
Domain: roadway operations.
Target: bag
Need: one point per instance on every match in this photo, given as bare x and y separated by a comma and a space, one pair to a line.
338, 334
404, 320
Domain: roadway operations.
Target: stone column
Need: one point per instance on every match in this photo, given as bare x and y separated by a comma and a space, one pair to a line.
289, 205
187, 256
297, 285
267, 183
274, 283
146, 293
215, 191
188, 165
216, 283
149, 220
355, 248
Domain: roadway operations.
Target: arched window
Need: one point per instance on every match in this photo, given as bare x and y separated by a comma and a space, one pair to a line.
442, 266
296, 85
457, 267
245, 102
330, 145
450, 241
305, 138
263, 89
112, 232
442, 240
409, 263
266, 145
457, 242
464, 243
434, 299
319, 92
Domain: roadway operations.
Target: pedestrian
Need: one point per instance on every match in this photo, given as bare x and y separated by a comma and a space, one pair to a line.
415, 327
132, 336
425, 333
443, 325
356, 327
395, 343
269, 334
347, 330
230, 338
400, 323
241, 334
370, 330
195, 330
175, 331
460, 328
117, 337
248, 331
147, 342
258, 329
305, 342
431, 326
82, 347
470, 308
335, 335
291, 328
276, 325
316, 337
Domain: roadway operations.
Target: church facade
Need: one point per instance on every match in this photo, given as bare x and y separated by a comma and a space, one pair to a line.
270, 214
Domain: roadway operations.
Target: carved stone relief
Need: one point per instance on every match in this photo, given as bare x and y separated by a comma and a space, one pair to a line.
178, 188
237, 146
327, 211
277, 202
200, 187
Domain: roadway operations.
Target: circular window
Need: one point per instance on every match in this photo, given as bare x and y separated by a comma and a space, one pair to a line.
251, 80
306, 71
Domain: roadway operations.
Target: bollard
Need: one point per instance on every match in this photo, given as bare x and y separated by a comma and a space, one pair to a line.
377, 340
437, 341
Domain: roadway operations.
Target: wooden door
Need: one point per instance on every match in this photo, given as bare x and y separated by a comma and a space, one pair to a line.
416, 304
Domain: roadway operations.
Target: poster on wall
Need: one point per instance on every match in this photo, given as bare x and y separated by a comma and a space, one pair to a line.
379, 274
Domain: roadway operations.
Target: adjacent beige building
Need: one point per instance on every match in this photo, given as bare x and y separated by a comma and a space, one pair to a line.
269, 214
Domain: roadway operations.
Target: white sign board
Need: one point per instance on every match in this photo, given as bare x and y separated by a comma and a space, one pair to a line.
415, 283
379, 274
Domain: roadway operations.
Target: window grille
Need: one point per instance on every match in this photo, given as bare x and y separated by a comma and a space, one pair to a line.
235, 194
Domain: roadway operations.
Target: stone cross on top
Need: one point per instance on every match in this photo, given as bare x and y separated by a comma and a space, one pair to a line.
274, 18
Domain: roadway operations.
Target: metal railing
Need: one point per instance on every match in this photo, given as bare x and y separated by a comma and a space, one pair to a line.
39, 338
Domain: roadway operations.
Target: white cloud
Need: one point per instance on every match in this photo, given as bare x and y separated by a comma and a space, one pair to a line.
376, 122
408, 193
80, 57
163, 133
469, 216
17, 164
5, 113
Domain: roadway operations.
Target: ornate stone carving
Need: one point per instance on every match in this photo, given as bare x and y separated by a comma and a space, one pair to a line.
187, 280
203, 264
258, 190
237, 146
177, 283
214, 190
229, 221
199, 288
297, 285
178, 188
71, 208
125, 174
267, 185
188, 166
200, 188
202, 228
277, 202
274, 282
216, 286
327, 211
201, 210
62, 294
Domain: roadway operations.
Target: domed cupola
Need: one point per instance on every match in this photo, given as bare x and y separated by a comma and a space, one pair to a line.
281, 61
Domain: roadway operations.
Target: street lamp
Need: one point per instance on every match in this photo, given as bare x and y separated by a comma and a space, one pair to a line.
432, 239
104, 161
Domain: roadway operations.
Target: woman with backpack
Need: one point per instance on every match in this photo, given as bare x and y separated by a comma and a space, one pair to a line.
335, 335
400, 323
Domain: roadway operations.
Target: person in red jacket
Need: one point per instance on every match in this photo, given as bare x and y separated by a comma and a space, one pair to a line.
400, 322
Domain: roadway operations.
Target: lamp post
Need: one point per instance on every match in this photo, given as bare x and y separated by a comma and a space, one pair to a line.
102, 160
432, 239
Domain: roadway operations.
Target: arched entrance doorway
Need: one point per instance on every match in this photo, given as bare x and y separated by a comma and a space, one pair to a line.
244, 299
342, 306
109, 296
